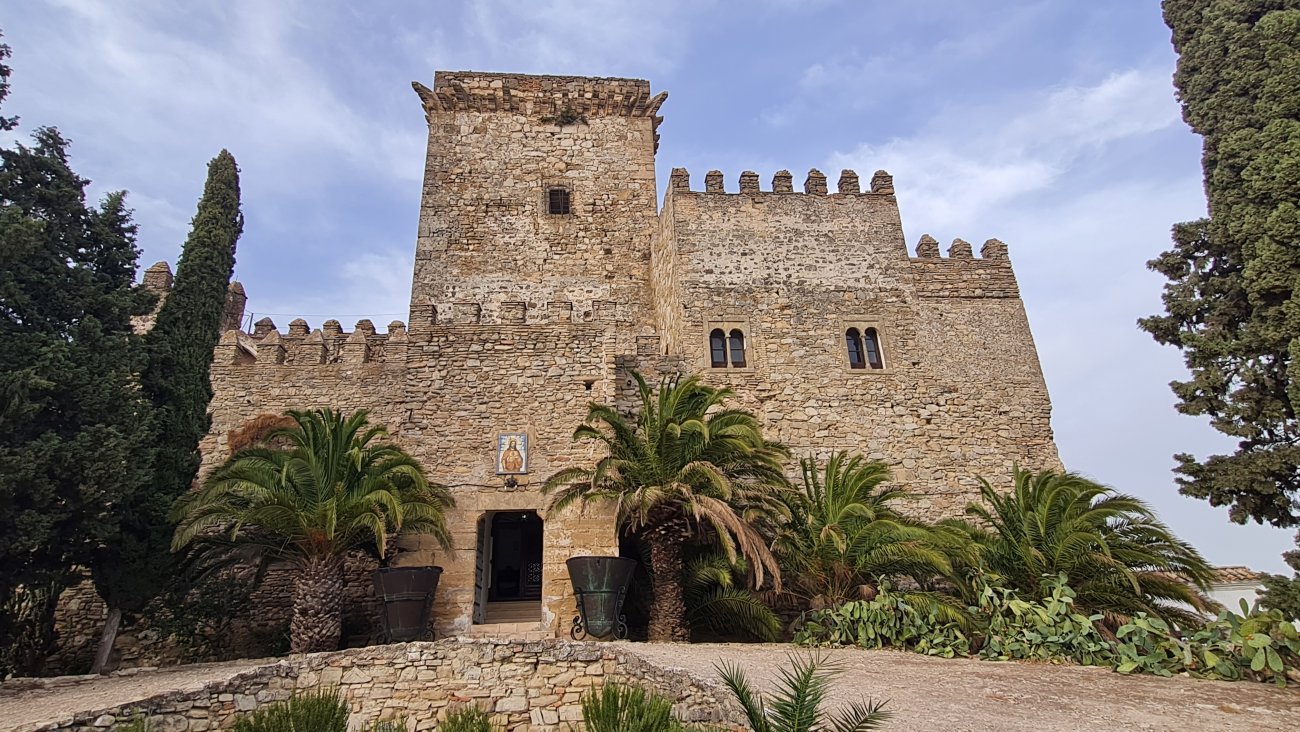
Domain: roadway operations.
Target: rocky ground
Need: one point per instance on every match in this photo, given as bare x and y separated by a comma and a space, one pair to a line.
960, 695
943, 695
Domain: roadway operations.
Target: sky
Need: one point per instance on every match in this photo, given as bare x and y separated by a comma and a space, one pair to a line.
1050, 125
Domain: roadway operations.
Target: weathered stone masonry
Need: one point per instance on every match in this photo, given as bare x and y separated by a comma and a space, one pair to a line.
521, 315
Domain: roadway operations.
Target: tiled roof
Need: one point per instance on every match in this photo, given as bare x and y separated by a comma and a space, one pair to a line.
1226, 575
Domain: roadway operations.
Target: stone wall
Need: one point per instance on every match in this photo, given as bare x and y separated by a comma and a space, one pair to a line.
497, 144
468, 383
526, 686
260, 629
961, 394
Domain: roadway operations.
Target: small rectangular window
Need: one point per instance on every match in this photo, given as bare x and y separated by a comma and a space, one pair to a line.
557, 200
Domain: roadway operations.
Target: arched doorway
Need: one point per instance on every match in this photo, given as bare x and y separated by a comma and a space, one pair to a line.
508, 568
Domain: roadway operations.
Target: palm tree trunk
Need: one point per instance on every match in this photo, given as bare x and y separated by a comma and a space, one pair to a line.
668, 606
317, 605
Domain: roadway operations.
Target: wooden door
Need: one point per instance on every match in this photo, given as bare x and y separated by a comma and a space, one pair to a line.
482, 568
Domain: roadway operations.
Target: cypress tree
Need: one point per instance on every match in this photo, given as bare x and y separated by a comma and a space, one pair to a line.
1232, 303
72, 423
138, 566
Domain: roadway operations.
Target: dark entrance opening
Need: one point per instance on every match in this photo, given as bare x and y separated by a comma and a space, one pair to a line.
509, 571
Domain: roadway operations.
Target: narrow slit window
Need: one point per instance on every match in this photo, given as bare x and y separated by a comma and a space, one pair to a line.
717, 349
557, 200
853, 339
737, 349
873, 349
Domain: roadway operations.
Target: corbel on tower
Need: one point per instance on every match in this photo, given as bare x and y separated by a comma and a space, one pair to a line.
428, 100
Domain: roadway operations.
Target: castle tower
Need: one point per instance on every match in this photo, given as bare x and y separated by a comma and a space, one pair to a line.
537, 190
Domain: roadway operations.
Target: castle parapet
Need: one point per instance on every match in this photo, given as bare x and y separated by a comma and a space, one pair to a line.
473, 91
960, 274
849, 184
301, 346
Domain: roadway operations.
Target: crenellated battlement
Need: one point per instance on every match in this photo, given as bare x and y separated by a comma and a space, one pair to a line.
475, 91
330, 344
302, 346
158, 280
882, 183
961, 274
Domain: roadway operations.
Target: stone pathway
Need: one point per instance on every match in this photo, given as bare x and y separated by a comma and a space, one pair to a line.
925, 694
28, 702
961, 695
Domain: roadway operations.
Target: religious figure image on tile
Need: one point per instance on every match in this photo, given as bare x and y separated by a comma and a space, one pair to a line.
512, 453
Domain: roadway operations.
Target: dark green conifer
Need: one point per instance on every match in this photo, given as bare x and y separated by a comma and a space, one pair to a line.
138, 566
72, 423
1232, 304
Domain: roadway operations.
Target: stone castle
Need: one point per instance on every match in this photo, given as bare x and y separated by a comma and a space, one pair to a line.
545, 272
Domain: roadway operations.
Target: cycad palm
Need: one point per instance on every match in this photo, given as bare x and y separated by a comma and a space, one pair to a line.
332, 487
847, 533
685, 465
1114, 552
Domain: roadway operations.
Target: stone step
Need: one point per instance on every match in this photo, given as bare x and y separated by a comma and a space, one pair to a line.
514, 612
510, 631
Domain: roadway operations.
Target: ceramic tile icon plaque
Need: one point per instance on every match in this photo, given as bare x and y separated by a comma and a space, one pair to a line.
512, 453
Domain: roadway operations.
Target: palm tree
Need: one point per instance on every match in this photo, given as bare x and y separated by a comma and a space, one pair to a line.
718, 601
309, 494
847, 534
686, 466
796, 704
1114, 552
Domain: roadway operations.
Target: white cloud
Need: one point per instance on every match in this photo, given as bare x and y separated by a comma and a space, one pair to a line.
373, 285
150, 73
600, 37
969, 160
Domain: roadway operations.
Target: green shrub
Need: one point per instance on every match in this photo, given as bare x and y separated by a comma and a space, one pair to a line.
887, 621
322, 711
619, 708
138, 723
466, 719
1050, 630
390, 725
1258, 644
